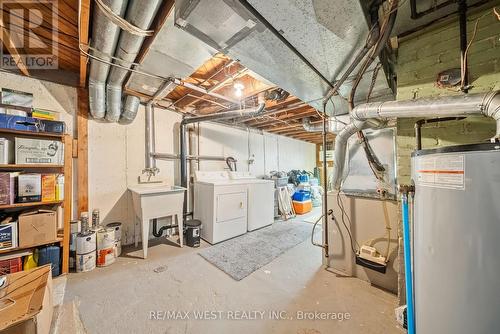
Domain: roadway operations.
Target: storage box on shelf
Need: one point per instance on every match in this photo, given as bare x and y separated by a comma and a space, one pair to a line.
52, 174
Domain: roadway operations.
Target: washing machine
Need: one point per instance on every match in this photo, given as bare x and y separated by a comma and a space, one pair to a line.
260, 199
221, 205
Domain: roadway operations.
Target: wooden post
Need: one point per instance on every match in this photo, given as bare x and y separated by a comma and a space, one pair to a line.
68, 199
82, 150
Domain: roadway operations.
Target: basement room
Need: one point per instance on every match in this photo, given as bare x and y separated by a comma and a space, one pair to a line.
249, 166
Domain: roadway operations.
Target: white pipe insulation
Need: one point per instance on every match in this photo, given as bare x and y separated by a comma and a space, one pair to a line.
376, 115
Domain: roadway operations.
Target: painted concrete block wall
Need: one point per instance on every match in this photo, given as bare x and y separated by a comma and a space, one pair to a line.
420, 58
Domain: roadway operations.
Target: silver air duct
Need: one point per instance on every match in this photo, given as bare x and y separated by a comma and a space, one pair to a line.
140, 14
105, 37
333, 125
362, 117
130, 109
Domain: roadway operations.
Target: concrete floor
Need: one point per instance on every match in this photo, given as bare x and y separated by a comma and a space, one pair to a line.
126, 296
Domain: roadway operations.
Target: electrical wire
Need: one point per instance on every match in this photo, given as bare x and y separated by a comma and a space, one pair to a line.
464, 65
344, 214
313, 230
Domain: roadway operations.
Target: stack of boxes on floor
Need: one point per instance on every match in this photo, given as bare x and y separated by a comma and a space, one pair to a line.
301, 199
93, 244
22, 229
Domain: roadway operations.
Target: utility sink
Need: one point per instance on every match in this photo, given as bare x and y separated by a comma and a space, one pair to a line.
156, 200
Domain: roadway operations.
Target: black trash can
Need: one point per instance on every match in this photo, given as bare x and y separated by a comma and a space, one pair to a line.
193, 230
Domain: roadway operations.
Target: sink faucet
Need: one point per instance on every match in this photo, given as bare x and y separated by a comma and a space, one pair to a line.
150, 172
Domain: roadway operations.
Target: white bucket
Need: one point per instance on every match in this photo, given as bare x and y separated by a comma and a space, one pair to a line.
105, 238
85, 262
75, 226
105, 257
85, 243
117, 227
105, 247
117, 248
72, 242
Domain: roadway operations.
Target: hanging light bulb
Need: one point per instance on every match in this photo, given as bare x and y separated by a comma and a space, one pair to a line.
238, 89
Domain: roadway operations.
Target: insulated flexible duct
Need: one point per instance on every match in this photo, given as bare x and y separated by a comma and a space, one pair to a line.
140, 14
105, 38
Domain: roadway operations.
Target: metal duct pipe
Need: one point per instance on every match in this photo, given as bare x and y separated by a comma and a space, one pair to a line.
130, 109
487, 104
140, 14
105, 38
333, 125
213, 117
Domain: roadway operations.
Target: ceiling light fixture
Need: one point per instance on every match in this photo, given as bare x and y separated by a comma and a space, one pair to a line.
238, 88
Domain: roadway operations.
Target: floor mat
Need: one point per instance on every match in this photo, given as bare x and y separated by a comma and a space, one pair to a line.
241, 256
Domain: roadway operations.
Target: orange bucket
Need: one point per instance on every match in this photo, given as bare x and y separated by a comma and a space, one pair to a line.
302, 207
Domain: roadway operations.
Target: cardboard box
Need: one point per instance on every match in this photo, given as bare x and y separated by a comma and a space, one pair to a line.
39, 151
29, 188
6, 151
48, 187
37, 227
8, 236
30, 304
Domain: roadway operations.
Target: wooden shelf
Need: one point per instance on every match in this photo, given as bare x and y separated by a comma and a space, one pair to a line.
27, 205
65, 169
4, 251
30, 166
33, 134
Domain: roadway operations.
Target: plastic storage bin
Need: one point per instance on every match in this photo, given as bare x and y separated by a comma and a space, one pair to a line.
302, 207
301, 195
52, 255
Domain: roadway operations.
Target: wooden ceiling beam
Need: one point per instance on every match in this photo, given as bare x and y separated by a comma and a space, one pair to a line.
9, 41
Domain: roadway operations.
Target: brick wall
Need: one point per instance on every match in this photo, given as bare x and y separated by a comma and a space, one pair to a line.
420, 58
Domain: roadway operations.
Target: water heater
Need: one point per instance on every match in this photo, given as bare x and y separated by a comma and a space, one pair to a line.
456, 232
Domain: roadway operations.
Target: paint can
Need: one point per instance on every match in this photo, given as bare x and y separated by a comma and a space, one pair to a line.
85, 262
85, 242
84, 219
117, 227
95, 218
75, 226
85, 251
105, 247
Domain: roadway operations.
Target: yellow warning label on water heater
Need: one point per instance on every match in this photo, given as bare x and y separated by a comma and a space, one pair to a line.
442, 171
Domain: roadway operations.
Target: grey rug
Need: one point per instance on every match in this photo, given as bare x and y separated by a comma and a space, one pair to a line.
241, 256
